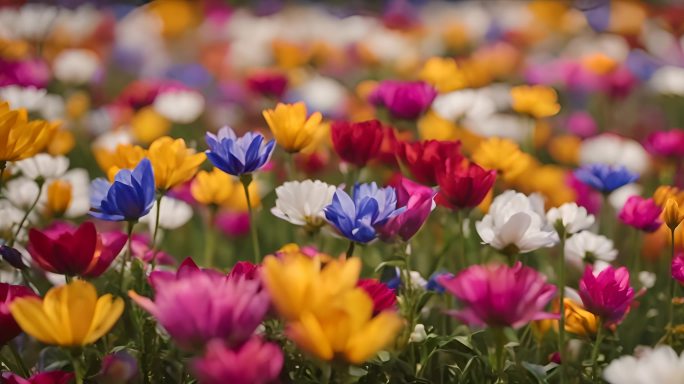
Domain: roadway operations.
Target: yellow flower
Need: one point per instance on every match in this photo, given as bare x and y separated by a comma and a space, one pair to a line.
443, 74
215, 187
70, 315
173, 162
290, 55
124, 156
175, 16
62, 142
672, 213
77, 105
599, 63
536, 101
19, 137
577, 319
237, 201
504, 156
664, 192
147, 125
290, 126
565, 149
58, 197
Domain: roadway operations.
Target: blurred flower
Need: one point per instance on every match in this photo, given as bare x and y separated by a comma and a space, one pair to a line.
641, 214
118, 368
665, 192
417, 201
122, 156
43, 166
565, 149
581, 124
292, 130
444, 74
570, 217
658, 365
578, 320
267, 83
19, 137
70, 315
213, 187
383, 297
238, 155
173, 163
75, 66
463, 184
585, 196
12, 256
302, 202
516, 223
614, 150
129, 198
404, 100
672, 214
668, 80
500, 296
502, 155
537, 101
357, 143
677, 267
588, 247
58, 197
665, 143
9, 293
234, 224
245, 270
179, 105
174, 214
424, 158
22, 192
255, 362
357, 219
74, 251
147, 125
605, 178
418, 335
607, 295
51, 377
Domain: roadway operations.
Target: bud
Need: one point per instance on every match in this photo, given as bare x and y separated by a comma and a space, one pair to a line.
58, 197
118, 368
578, 320
672, 215
12, 256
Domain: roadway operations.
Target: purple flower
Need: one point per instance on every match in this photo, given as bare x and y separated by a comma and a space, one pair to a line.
641, 214
665, 143
129, 198
238, 155
418, 201
678, 268
404, 100
497, 295
605, 178
51, 377
607, 295
582, 124
255, 362
117, 368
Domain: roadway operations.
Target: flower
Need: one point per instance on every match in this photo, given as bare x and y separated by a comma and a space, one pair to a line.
51, 377
75, 66
19, 137
641, 214
570, 217
173, 163
255, 362
500, 296
417, 201
302, 202
74, 251
129, 198
245, 270
665, 143
537, 100
9, 293
357, 143
179, 105
404, 100
267, 83
659, 365
677, 267
292, 130
122, 156
605, 178
238, 155
58, 197
69, 315
213, 187
384, 298
215, 307
118, 368
578, 320
502, 155
357, 219
148, 125
516, 223
588, 246
607, 295
43, 166
463, 184
611, 149
424, 158
672, 214
174, 214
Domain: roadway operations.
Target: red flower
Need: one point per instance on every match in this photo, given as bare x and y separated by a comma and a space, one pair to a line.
388, 147
424, 158
267, 83
383, 297
357, 143
463, 184
244, 269
69, 250
9, 329
52, 377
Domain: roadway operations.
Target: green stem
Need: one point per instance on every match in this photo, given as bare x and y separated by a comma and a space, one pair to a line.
596, 349
246, 179
326, 373
68, 279
210, 238
671, 290
350, 249
3, 166
17, 358
290, 166
76, 363
153, 262
500, 339
26, 215
127, 257
561, 293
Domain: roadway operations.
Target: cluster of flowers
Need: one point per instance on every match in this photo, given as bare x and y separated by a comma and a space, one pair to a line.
443, 192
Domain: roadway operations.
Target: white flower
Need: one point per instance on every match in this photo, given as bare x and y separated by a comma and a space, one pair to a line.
302, 202
647, 279
110, 140
466, 102
179, 106
29, 98
571, 216
321, 94
43, 166
588, 245
75, 66
504, 125
22, 192
30, 22
668, 80
618, 197
418, 335
174, 214
11, 215
660, 365
612, 149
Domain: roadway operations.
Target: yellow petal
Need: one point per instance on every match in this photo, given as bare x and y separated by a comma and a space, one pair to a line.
107, 312
308, 335
28, 313
79, 309
374, 336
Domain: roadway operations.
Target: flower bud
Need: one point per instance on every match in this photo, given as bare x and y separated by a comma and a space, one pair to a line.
672, 215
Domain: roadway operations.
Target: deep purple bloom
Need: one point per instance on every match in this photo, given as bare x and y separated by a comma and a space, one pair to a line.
404, 100
129, 198
665, 143
255, 362
605, 178
12, 256
641, 214
118, 368
497, 295
607, 295
418, 201
238, 155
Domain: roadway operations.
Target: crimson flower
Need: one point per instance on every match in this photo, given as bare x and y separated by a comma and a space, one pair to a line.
9, 329
424, 158
607, 295
357, 143
463, 184
383, 296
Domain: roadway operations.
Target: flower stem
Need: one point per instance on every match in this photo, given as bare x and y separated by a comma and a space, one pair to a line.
17, 358
500, 340
153, 262
26, 215
210, 238
127, 256
350, 250
246, 179
3, 166
670, 324
561, 307
596, 349
76, 364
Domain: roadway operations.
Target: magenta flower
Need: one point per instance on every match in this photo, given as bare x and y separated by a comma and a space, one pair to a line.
384, 297
582, 124
404, 100
51, 377
641, 214
607, 295
418, 200
195, 306
255, 362
245, 270
497, 295
678, 267
665, 143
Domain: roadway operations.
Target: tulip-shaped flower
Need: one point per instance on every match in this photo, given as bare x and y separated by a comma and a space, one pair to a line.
173, 162
357, 143
578, 320
607, 295
51, 377
605, 178
357, 218
463, 184
417, 201
425, 158
70, 315
255, 362
129, 198
9, 329
404, 100
665, 143
641, 214
292, 130
74, 251
238, 155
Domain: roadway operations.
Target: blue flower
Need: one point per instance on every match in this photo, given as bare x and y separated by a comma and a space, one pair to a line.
238, 155
433, 284
130, 197
357, 219
605, 178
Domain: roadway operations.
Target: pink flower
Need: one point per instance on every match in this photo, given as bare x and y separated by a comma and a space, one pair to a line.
118, 367
404, 100
418, 200
665, 143
607, 295
585, 196
641, 214
582, 124
383, 297
9, 329
52, 377
678, 268
255, 362
233, 224
497, 295
24, 73
245, 270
